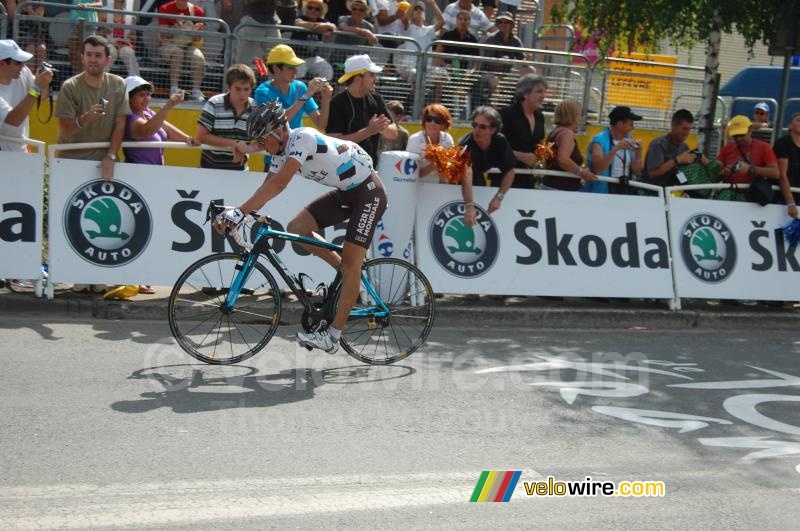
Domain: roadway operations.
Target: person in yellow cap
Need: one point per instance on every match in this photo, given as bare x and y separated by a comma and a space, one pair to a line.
744, 157
359, 112
295, 96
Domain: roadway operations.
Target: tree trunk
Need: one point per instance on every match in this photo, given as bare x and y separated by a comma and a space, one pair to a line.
708, 103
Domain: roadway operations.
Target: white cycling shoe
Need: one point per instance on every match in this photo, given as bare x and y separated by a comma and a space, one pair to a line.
318, 339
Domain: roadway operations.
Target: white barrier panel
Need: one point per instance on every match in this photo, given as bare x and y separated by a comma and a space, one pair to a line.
545, 243
147, 225
732, 250
393, 235
21, 211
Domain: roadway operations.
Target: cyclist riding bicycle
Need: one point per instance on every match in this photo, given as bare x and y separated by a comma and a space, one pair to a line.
358, 195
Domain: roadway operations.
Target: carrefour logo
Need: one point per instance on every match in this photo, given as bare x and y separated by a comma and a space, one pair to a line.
708, 248
406, 166
107, 223
464, 251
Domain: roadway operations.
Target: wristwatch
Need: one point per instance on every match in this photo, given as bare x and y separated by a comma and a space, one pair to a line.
500, 195
112, 156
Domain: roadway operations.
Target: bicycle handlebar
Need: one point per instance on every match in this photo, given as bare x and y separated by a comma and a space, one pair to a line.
215, 210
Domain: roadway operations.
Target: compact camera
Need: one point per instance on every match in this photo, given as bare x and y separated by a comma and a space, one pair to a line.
46, 66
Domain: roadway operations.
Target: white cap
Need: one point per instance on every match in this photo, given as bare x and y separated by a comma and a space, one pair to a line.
762, 105
11, 50
134, 82
358, 64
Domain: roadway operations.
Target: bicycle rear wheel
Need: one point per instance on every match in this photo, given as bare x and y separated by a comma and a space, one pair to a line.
381, 340
199, 322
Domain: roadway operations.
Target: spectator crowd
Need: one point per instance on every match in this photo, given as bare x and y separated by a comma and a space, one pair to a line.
95, 105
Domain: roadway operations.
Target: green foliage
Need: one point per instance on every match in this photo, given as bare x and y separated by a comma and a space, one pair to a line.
642, 23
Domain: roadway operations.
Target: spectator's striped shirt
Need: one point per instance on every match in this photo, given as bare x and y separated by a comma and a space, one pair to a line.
219, 117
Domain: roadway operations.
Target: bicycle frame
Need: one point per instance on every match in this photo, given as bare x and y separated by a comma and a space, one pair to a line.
261, 246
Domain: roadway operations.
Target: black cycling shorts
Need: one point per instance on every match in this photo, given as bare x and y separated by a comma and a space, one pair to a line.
363, 205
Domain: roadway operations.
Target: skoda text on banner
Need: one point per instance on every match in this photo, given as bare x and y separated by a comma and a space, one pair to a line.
21, 214
732, 250
148, 224
545, 243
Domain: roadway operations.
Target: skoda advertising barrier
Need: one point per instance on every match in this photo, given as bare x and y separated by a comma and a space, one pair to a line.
544, 243
398, 171
148, 224
732, 250
21, 214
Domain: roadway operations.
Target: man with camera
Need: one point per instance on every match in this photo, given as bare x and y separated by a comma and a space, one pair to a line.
669, 152
744, 158
613, 152
19, 91
93, 107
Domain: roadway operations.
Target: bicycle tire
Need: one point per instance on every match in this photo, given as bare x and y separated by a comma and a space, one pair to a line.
198, 322
410, 298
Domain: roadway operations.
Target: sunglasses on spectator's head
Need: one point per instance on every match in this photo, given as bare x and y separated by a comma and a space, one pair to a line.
435, 119
478, 125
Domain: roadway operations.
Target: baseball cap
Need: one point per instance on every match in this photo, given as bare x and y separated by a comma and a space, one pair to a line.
762, 106
11, 50
283, 55
739, 125
134, 82
505, 15
358, 64
621, 113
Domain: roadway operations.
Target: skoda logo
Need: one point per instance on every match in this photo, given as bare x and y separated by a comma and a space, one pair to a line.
107, 223
708, 248
464, 251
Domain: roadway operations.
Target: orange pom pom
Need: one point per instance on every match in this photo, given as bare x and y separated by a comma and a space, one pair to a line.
450, 162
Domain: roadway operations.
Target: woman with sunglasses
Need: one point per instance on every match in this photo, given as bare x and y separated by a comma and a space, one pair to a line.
436, 121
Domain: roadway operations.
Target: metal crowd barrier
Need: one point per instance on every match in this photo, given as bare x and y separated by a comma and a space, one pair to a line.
3, 21
627, 82
489, 80
214, 41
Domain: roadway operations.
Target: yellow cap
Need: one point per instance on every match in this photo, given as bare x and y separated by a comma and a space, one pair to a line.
403, 5
283, 55
122, 292
739, 125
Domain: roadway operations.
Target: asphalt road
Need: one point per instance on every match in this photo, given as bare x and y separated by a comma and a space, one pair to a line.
104, 423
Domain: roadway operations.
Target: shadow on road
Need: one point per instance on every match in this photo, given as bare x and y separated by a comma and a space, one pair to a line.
191, 388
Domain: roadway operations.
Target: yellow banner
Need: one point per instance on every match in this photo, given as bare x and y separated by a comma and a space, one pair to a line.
630, 83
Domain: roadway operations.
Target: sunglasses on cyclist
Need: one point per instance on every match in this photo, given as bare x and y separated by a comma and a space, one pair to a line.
435, 119
478, 125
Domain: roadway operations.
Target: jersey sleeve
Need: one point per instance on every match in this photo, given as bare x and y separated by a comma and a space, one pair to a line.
301, 145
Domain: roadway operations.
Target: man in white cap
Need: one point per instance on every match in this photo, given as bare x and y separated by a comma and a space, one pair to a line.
19, 91
359, 113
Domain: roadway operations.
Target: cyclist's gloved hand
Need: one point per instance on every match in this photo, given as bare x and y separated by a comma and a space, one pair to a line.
230, 217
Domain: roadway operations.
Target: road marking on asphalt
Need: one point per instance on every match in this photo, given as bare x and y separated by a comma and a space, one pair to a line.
186, 502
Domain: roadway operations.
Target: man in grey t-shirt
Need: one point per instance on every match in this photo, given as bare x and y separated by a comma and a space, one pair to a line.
669, 152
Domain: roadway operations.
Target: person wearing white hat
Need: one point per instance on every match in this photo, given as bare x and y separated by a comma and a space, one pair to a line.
359, 112
19, 91
146, 125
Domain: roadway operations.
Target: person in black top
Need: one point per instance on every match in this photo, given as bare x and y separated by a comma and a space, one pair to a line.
459, 34
787, 149
488, 149
359, 113
523, 124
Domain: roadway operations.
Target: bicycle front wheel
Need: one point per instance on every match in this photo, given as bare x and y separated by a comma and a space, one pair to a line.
378, 339
201, 324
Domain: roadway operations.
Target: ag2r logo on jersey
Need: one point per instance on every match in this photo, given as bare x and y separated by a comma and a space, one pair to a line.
708, 248
464, 251
107, 223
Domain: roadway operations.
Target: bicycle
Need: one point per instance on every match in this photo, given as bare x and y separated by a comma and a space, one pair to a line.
226, 307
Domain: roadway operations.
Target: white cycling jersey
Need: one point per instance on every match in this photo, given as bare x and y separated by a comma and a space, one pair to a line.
330, 161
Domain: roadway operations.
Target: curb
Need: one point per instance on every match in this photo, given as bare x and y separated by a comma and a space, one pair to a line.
452, 311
